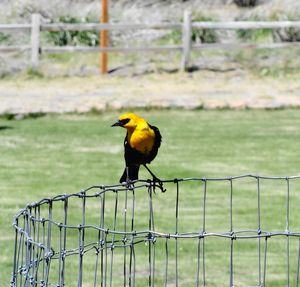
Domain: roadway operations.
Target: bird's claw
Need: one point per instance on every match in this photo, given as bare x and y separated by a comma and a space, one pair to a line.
156, 182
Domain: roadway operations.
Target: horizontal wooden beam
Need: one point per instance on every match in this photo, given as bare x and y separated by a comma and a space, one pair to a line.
204, 25
17, 27
232, 46
19, 48
64, 49
98, 27
215, 46
235, 25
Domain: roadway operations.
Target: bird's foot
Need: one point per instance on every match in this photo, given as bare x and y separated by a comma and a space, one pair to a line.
158, 183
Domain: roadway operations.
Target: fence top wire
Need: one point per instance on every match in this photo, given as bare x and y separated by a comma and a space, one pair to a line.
100, 190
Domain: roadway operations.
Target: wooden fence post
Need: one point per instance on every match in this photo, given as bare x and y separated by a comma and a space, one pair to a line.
35, 40
104, 37
186, 40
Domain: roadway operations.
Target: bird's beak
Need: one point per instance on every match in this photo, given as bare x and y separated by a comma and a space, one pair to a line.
117, 124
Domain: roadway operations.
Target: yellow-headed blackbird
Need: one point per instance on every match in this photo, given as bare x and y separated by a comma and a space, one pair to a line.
141, 145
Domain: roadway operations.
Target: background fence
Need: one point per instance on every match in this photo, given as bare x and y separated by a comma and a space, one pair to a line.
37, 26
201, 232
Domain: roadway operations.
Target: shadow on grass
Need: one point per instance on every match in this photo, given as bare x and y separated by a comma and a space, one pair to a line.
2, 128
32, 115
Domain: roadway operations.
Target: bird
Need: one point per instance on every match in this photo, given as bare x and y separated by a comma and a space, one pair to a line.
141, 145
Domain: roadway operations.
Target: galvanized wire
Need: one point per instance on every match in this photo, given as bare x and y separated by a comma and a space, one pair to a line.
45, 248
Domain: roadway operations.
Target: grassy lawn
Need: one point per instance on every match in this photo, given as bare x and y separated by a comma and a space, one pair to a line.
58, 154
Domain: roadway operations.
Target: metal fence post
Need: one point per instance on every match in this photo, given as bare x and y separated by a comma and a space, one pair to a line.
186, 40
35, 40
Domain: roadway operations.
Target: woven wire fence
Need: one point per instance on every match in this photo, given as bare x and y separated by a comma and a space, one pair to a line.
233, 231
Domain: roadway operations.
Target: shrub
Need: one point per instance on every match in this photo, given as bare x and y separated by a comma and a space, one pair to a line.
277, 35
63, 38
245, 3
4, 38
256, 35
203, 35
198, 35
286, 34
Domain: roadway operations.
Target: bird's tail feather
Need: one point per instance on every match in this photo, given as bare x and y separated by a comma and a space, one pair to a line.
133, 173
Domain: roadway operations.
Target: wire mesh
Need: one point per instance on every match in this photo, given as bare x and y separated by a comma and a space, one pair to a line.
233, 231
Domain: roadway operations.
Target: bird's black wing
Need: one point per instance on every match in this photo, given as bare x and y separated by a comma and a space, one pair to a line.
157, 143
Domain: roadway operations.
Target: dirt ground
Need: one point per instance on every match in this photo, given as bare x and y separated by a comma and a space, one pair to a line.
208, 90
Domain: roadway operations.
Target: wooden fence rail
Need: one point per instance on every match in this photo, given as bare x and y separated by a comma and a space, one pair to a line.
56, 27
37, 26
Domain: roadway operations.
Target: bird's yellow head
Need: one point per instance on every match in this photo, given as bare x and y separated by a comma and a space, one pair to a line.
129, 121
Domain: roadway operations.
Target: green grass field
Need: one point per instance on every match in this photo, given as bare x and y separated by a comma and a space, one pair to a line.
58, 154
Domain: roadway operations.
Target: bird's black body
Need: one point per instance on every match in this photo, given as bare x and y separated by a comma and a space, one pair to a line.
134, 158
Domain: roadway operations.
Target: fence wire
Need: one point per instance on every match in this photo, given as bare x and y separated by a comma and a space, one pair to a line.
233, 231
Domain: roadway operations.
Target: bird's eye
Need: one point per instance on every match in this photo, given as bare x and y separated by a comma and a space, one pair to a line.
124, 121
